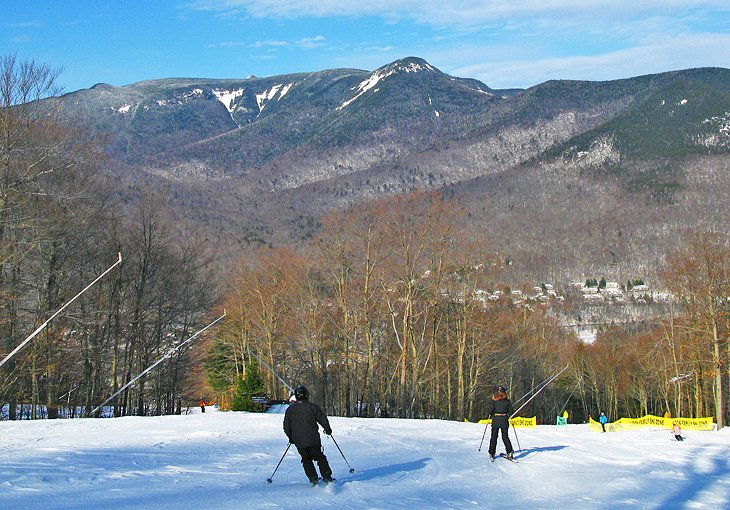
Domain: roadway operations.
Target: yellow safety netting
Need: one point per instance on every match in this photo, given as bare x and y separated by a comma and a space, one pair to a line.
515, 422
653, 421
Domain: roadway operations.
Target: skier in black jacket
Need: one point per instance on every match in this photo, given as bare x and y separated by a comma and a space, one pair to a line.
300, 425
500, 409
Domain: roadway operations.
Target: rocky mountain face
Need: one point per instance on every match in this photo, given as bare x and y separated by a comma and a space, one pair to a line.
568, 178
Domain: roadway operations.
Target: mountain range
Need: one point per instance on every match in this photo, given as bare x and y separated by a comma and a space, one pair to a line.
566, 178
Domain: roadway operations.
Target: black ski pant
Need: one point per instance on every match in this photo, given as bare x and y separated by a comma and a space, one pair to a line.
505, 439
311, 453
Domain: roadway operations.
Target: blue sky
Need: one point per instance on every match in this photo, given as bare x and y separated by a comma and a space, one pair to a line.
504, 43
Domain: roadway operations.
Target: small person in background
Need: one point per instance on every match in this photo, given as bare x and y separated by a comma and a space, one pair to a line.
201, 403
677, 431
603, 419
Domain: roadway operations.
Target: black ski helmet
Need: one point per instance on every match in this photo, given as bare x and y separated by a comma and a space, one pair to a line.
502, 389
301, 393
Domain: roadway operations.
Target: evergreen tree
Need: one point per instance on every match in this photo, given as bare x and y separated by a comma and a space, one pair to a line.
247, 387
220, 366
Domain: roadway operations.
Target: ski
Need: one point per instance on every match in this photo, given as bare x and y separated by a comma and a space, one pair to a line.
504, 456
324, 482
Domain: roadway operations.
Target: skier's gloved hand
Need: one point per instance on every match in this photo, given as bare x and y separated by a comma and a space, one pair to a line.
328, 431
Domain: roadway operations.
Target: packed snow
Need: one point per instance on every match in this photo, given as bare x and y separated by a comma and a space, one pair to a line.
220, 460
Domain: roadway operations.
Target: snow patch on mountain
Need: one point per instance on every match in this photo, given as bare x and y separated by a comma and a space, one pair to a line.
195, 93
268, 95
602, 151
719, 136
486, 92
413, 67
366, 85
228, 97
285, 89
181, 98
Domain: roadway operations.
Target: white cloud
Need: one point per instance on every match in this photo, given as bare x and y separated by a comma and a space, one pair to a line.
381, 49
25, 24
311, 42
515, 43
465, 12
305, 43
268, 44
662, 55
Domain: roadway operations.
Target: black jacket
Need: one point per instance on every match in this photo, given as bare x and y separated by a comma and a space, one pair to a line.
300, 424
499, 410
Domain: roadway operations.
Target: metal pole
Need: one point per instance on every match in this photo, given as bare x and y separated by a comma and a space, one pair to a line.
352, 469
270, 369
519, 447
279, 464
169, 353
42, 326
538, 392
483, 435
531, 390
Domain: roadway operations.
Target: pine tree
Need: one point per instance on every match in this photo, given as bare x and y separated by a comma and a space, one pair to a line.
247, 387
220, 366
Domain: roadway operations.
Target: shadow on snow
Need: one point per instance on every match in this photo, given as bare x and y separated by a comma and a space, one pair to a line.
384, 471
696, 482
526, 452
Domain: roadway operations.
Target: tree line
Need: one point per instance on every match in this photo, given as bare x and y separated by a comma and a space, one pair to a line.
61, 226
392, 310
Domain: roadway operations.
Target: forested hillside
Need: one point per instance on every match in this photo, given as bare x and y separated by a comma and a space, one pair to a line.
370, 234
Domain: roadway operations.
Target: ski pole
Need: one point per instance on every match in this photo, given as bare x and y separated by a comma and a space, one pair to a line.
352, 470
483, 435
268, 480
519, 447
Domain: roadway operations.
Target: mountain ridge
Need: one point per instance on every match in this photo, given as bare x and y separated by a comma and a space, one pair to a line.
257, 160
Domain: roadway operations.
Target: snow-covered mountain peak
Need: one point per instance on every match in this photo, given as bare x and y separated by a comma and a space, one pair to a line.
404, 65
410, 65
